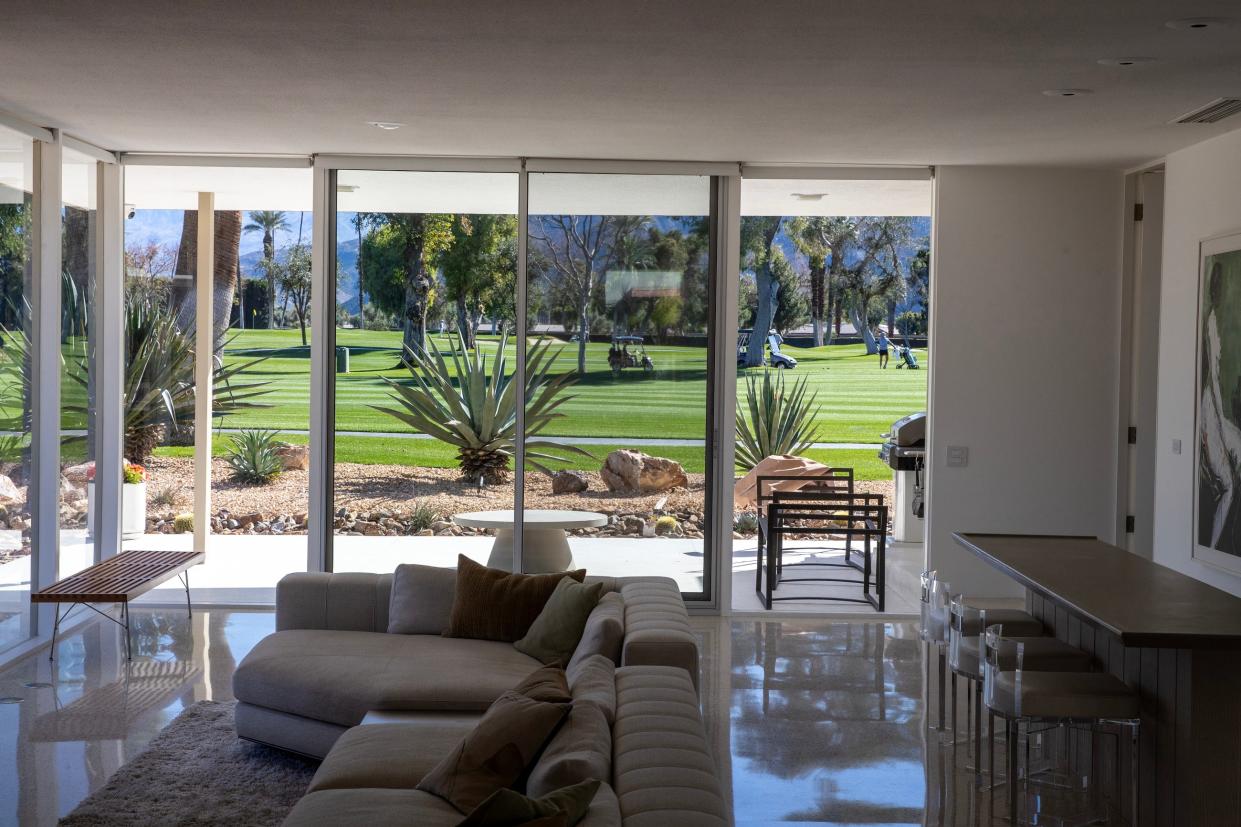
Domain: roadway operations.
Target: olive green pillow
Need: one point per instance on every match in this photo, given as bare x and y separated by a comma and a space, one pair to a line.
509, 808
492, 604
557, 630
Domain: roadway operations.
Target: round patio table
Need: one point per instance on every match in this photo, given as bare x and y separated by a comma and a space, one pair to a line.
545, 547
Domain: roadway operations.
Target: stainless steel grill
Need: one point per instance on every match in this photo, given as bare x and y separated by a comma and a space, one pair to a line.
904, 446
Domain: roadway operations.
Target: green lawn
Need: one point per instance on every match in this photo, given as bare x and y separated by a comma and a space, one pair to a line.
434, 454
858, 401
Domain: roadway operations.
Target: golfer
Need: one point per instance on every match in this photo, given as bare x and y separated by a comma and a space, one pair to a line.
883, 348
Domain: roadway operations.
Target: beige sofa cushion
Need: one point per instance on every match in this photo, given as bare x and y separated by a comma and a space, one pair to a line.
604, 809
581, 750
394, 756
663, 770
372, 808
340, 676
421, 599
604, 633
593, 681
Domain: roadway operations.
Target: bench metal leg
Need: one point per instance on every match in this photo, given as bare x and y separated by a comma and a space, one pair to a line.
184, 577
51, 655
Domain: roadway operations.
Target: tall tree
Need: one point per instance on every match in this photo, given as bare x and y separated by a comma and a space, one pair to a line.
400, 249
758, 233
224, 276
576, 251
268, 222
475, 269
357, 222
293, 275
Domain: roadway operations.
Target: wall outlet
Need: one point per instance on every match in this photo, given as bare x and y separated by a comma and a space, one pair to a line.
958, 456
1176, 446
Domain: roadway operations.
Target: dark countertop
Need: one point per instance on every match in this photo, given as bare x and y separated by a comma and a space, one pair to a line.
1142, 603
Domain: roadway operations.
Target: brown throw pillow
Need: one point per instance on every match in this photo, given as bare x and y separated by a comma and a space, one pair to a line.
496, 752
549, 684
491, 604
508, 808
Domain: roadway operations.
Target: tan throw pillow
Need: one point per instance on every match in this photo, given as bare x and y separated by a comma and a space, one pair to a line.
549, 684
581, 749
491, 604
421, 601
556, 631
496, 753
507, 808
604, 633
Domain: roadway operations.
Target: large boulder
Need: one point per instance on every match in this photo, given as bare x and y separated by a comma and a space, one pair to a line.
629, 471
9, 493
79, 474
568, 482
294, 457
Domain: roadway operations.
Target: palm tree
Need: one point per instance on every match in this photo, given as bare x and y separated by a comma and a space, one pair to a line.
268, 222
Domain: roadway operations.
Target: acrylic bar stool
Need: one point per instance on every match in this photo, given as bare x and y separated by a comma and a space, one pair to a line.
934, 633
1046, 654
1021, 695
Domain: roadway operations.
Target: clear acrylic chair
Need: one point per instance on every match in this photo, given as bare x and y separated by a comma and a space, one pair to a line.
1023, 696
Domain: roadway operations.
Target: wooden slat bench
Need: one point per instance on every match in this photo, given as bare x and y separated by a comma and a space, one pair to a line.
119, 579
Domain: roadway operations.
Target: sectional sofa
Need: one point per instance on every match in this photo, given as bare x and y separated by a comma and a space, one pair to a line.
383, 708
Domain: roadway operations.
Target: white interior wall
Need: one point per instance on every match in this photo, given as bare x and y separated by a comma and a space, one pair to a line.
1026, 280
1202, 198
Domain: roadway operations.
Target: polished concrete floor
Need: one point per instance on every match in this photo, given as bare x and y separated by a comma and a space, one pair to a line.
815, 720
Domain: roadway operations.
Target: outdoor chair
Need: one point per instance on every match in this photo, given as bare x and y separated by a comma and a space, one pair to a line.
829, 480
862, 517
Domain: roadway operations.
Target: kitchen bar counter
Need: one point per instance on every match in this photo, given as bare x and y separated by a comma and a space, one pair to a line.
1140, 602
1175, 640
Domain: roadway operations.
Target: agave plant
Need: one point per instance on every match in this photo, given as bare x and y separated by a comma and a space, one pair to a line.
477, 412
777, 422
254, 456
159, 377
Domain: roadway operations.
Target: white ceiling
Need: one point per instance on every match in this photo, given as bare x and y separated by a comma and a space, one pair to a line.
853, 81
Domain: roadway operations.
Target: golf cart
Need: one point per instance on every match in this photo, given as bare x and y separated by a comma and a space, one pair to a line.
777, 358
621, 357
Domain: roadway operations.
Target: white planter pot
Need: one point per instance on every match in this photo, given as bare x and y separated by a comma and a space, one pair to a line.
133, 510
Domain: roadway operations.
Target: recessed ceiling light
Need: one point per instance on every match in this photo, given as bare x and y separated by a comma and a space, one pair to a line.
1124, 61
386, 125
809, 196
1198, 23
1067, 93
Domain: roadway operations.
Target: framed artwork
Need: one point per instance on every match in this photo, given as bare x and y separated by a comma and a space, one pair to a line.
1217, 437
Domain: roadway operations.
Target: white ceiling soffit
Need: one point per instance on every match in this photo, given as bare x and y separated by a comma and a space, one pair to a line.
16, 167
150, 187
366, 190
496, 192
815, 196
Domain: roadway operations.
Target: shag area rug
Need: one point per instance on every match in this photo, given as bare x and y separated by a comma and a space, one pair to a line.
198, 772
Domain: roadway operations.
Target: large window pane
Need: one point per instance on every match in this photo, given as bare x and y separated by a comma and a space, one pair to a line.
260, 337
79, 181
16, 213
424, 428
618, 307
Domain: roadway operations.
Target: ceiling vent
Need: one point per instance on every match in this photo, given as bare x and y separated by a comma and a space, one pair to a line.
1213, 112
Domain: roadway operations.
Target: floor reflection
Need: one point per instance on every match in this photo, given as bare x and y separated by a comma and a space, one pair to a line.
826, 722
88, 712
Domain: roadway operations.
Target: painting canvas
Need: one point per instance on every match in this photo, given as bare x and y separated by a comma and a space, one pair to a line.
1217, 512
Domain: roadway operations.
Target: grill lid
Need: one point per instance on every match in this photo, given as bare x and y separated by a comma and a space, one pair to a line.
909, 430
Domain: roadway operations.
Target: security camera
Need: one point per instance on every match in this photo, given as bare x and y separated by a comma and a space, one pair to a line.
129, 210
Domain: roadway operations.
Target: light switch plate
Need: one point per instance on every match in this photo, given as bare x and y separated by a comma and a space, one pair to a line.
1176, 446
958, 456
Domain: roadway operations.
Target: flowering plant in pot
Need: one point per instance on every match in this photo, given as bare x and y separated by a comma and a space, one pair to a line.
133, 500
